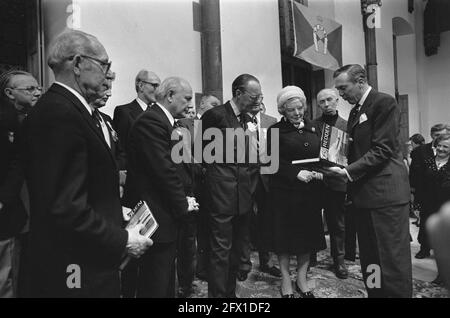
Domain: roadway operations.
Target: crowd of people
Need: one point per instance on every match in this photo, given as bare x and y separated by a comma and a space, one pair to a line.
68, 170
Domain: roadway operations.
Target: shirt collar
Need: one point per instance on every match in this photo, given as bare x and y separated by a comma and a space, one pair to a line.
168, 115
236, 110
77, 95
142, 104
363, 98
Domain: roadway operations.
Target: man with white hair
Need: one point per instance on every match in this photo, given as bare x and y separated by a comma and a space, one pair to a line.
146, 83
207, 102
77, 241
161, 183
335, 188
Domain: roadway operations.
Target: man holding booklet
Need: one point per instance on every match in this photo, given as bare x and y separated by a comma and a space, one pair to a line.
160, 183
378, 185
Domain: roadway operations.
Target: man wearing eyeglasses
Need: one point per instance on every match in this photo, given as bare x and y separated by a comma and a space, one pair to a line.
231, 186
145, 84
77, 240
19, 91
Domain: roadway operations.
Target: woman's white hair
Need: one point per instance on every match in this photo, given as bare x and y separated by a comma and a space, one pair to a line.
288, 94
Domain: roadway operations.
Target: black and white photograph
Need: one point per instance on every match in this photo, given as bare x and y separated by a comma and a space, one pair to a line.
186, 150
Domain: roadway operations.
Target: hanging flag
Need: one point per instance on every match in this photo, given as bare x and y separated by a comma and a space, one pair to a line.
318, 40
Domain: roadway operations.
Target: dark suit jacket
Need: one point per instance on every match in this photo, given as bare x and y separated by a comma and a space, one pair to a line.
157, 177
124, 117
230, 184
333, 183
379, 175
76, 214
116, 147
266, 122
123, 120
417, 168
13, 214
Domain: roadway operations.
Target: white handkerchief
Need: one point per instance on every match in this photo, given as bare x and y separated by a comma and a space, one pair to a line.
362, 118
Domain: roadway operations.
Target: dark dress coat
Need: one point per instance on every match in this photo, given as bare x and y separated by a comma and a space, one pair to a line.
295, 210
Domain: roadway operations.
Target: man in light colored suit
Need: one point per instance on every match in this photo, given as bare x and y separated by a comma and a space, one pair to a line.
378, 185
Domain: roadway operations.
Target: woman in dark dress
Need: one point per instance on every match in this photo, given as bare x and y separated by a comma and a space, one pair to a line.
297, 227
436, 182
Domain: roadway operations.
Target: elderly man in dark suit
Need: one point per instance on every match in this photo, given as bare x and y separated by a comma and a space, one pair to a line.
335, 189
19, 92
231, 186
77, 241
419, 158
160, 183
378, 186
145, 84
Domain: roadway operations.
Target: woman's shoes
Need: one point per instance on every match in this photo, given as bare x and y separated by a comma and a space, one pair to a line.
307, 294
287, 295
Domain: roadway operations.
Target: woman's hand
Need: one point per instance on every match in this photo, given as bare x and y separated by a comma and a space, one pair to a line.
305, 176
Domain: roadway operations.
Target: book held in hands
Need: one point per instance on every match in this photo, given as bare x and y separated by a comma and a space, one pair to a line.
141, 214
333, 148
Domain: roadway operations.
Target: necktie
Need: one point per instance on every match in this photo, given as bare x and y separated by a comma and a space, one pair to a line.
255, 122
97, 120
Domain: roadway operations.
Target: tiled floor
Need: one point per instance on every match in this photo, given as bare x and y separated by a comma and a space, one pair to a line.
325, 283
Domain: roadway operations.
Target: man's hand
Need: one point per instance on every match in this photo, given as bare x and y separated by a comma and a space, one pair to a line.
137, 244
305, 176
192, 204
317, 175
336, 172
438, 228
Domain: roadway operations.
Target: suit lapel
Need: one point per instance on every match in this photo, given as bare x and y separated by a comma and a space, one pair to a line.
364, 108
234, 122
84, 113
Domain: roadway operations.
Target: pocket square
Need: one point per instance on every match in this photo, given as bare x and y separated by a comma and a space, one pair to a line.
362, 118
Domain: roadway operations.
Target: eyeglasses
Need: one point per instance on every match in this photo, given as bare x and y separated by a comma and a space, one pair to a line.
255, 98
105, 66
29, 89
155, 85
